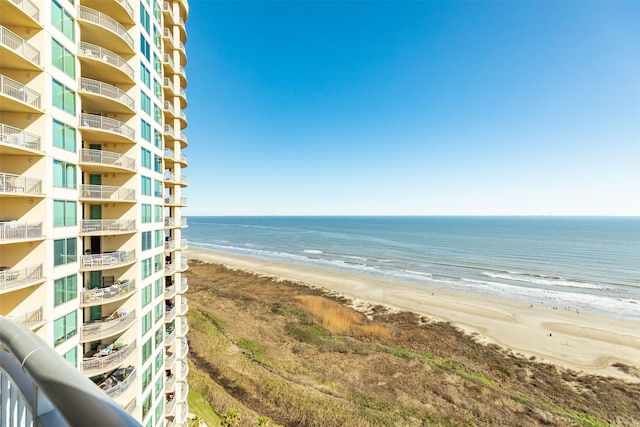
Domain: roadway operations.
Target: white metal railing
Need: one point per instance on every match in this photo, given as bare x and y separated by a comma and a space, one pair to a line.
168, 360
169, 314
169, 222
184, 116
107, 123
19, 45
169, 245
166, 7
169, 106
184, 285
107, 192
12, 278
10, 230
168, 129
102, 295
184, 307
105, 21
183, 201
30, 318
19, 91
29, 8
169, 338
121, 387
126, 6
183, 93
170, 291
10, 183
18, 137
184, 243
101, 329
107, 225
183, 222
104, 89
92, 51
168, 60
107, 158
167, 82
108, 259
170, 405
98, 363
169, 382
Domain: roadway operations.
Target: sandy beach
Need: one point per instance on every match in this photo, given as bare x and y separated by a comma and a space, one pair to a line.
579, 341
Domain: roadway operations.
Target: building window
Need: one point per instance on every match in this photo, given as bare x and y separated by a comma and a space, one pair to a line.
157, 238
157, 188
145, 130
158, 213
146, 268
71, 356
64, 174
65, 327
145, 157
146, 186
64, 213
146, 319
65, 251
65, 289
145, 103
157, 114
157, 89
157, 64
146, 240
159, 337
157, 163
145, 49
146, 351
159, 409
64, 136
62, 20
146, 213
146, 405
157, 38
145, 75
157, 12
63, 60
144, 18
63, 97
158, 262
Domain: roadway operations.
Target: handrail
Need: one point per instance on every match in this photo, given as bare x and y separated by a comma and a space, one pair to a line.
103, 329
126, 6
107, 158
29, 8
105, 89
19, 91
14, 278
106, 362
19, 137
107, 192
55, 387
93, 51
30, 318
105, 21
20, 230
10, 183
108, 124
107, 225
102, 295
111, 259
16, 43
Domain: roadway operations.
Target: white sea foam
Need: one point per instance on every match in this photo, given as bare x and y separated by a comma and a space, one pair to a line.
543, 280
313, 251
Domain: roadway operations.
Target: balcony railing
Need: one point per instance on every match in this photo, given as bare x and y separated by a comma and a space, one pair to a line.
13, 278
169, 245
92, 51
169, 106
172, 200
169, 360
169, 268
104, 295
184, 243
169, 338
17, 44
107, 192
125, 4
167, 82
108, 124
112, 360
29, 319
13, 230
104, 89
18, 137
184, 285
168, 129
107, 225
169, 407
29, 8
105, 21
169, 382
18, 91
116, 323
184, 307
40, 388
169, 314
121, 387
170, 291
110, 259
20, 184
107, 158
183, 222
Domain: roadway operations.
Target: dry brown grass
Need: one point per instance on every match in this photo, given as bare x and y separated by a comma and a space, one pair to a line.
342, 320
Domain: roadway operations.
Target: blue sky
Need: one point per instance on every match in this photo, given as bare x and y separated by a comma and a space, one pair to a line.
413, 108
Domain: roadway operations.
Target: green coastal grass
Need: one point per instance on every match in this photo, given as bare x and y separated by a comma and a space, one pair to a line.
199, 406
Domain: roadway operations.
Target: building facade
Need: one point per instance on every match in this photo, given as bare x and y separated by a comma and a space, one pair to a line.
92, 100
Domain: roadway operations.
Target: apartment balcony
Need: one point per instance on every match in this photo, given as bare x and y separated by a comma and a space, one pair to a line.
16, 52
18, 98
99, 296
169, 359
167, 38
168, 84
106, 359
175, 201
111, 193
182, 348
169, 407
169, 131
115, 324
17, 278
169, 315
183, 122
120, 10
171, 157
13, 231
170, 245
101, 227
182, 94
97, 27
18, 142
168, 65
183, 329
183, 287
169, 114
105, 129
169, 383
105, 161
169, 338
100, 96
169, 292
31, 320
182, 310
19, 186
97, 61
182, 73
119, 388
182, 50
182, 371
21, 13
107, 260
167, 11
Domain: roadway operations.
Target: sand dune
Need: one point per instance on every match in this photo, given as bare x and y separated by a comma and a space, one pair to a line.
578, 341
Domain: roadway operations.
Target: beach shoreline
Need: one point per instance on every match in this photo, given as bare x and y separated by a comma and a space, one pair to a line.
578, 341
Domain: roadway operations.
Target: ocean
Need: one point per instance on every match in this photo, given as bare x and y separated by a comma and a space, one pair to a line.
588, 264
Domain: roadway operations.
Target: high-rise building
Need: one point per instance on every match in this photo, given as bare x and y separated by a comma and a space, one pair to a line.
92, 100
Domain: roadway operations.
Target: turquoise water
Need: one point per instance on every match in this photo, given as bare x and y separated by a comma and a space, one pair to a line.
580, 263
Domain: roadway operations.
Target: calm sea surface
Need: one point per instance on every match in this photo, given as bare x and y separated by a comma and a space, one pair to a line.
587, 264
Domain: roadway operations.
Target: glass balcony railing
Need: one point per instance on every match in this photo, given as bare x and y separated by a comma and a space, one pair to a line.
117, 323
107, 158
14, 42
19, 138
